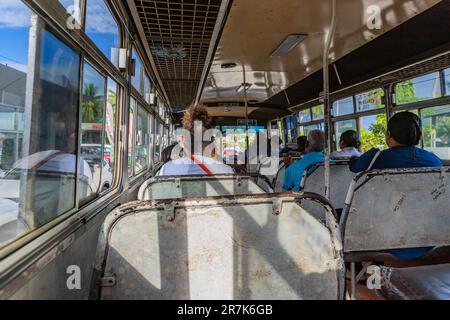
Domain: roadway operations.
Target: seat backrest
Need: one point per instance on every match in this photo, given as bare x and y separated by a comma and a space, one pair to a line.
397, 208
279, 177
340, 179
174, 187
242, 247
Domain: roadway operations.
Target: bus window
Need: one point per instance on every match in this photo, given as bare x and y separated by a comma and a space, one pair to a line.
103, 29
369, 100
92, 118
304, 116
341, 127
136, 79
141, 141
372, 131
109, 154
418, 89
317, 112
343, 107
131, 134
38, 124
147, 89
436, 130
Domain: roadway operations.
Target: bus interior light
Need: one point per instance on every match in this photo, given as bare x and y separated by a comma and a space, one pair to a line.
288, 44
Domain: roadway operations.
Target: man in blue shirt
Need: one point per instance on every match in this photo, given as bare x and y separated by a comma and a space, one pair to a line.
402, 136
313, 153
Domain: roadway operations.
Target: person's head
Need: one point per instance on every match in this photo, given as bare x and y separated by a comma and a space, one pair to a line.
301, 143
349, 139
403, 129
316, 141
196, 113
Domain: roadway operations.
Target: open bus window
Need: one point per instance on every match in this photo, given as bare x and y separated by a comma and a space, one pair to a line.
38, 123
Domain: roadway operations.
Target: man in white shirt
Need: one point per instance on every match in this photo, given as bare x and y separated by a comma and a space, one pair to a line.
198, 166
349, 144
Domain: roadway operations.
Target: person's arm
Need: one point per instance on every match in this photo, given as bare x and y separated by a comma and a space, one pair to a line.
359, 164
287, 181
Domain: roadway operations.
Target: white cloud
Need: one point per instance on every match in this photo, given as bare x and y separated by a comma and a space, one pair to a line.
99, 19
14, 14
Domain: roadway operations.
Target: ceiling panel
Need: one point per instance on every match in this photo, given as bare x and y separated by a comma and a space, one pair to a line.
179, 34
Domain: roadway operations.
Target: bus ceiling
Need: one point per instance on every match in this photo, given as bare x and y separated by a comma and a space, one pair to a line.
202, 49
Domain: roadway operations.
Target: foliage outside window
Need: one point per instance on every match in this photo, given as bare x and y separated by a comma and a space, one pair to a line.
372, 131
418, 89
436, 130
369, 100
318, 112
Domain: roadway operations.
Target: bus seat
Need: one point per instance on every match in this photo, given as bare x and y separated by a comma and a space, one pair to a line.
340, 179
174, 187
232, 247
396, 209
430, 282
278, 181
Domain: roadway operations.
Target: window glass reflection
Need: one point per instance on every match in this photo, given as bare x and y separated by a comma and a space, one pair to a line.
38, 123
92, 120
142, 141
103, 29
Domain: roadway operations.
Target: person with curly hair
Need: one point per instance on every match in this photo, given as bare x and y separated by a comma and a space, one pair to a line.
195, 116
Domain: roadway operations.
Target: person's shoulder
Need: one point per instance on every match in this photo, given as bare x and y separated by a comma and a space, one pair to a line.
430, 156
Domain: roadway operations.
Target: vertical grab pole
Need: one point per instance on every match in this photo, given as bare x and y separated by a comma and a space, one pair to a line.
326, 98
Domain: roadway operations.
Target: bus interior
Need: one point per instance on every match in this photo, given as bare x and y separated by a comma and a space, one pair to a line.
92, 99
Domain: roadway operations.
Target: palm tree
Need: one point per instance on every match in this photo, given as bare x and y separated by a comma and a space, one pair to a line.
92, 110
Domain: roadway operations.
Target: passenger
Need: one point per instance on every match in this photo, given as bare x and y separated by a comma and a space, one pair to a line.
349, 144
301, 146
313, 154
193, 164
402, 136
166, 154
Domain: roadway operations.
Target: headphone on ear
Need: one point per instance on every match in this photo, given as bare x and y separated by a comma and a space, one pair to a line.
418, 129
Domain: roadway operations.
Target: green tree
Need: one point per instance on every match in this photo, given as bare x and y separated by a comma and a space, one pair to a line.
405, 92
92, 109
375, 135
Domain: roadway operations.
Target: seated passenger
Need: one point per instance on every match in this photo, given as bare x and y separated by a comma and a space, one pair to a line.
301, 146
313, 153
193, 164
349, 144
402, 136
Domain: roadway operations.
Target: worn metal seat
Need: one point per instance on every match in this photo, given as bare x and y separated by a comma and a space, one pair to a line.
174, 187
396, 209
313, 180
232, 247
